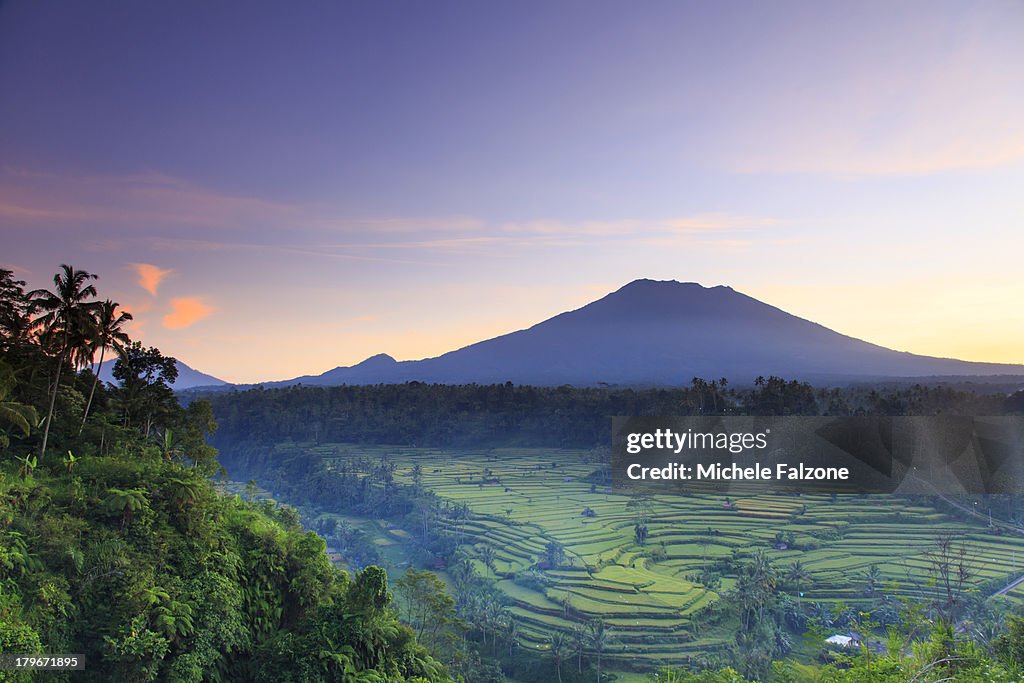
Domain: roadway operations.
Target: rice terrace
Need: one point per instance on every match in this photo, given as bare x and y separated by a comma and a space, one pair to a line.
567, 551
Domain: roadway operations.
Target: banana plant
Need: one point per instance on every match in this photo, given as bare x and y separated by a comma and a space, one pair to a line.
69, 461
28, 463
13, 415
169, 447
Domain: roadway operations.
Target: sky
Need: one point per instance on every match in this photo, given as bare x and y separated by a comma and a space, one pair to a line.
275, 189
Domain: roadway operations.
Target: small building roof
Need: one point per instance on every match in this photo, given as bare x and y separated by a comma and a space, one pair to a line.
840, 640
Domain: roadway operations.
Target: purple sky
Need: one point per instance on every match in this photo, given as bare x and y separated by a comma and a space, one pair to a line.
278, 188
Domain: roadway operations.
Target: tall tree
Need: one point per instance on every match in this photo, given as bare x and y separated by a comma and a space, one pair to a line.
797, 574
14, 414
65, 313
599, 639
554, 554
558, 644
13, 310
428, 607
488, 556
579, 644
951, 569
146, 395
109, 335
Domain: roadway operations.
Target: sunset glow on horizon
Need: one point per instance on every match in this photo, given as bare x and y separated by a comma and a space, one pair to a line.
274, 192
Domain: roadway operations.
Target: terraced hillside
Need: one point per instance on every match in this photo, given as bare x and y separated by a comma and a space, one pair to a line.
521, 500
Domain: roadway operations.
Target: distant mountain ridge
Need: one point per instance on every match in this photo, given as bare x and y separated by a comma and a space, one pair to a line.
660, 333
188, 378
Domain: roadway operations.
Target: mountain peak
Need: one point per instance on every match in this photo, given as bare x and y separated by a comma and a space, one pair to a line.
649, 284
379, 360
672, 289
662, 332
661, 299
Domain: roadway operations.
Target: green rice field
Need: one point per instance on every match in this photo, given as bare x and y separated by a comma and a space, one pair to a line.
522, 499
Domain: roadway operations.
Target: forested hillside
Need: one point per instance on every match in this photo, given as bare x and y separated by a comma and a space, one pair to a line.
560, 417
115, 543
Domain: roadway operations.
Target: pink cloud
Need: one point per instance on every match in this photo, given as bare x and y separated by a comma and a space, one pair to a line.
186, 311
150, 276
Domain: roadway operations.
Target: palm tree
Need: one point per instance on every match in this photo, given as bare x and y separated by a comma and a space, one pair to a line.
764, 575
462, 572
512, 631
109, 335
797, 574
579, 644
599, 639
872, 577
488, 556
823, 613
558, 644
495, 617
66, 312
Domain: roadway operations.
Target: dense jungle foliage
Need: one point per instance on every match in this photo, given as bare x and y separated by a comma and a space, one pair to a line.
115, 543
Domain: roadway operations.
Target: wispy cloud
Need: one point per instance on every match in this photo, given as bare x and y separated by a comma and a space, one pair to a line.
698, 230
160, 200
692, 224
406, 224
715, 222
182, 216
186, 311
706, 229
317, 250
133, 199
150, 276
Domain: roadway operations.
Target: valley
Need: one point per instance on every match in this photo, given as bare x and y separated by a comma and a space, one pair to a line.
565, 551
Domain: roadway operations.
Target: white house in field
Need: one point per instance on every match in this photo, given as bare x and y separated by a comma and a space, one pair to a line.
842, 641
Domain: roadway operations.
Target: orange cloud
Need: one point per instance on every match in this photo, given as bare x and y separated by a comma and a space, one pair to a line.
186, 311
150, 276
